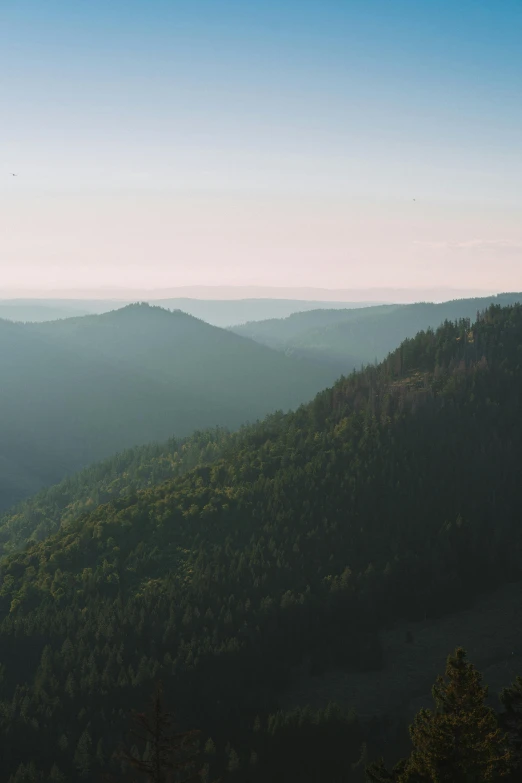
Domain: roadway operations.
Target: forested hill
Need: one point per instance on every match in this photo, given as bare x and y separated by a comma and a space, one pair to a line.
122, 474
394, 494
77, 390
351, 338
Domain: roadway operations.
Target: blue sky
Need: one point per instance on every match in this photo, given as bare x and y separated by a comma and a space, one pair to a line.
169, 143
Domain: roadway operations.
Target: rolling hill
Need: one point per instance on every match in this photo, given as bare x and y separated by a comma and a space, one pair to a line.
218, 312
229, 312
76, 390
117, 476
393, 496
351, 338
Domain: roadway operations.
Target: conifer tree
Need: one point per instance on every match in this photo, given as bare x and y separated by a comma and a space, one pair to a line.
56, 776
233, 761
459, 742
511, 722
83, 754
26, 773
378, 773
171, 755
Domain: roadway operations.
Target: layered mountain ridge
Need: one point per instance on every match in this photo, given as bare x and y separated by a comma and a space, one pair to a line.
76, 390
394, 495
349, 339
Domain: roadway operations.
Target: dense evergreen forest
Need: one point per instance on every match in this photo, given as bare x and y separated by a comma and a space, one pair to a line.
124, 473
77, 390
394, 494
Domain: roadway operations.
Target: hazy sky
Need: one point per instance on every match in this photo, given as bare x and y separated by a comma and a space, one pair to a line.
165, 143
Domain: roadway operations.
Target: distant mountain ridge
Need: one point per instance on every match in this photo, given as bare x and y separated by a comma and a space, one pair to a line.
218, 312
76, 390
231, 292
348, 339
393, 496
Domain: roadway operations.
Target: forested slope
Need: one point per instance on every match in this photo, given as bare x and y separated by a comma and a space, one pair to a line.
142, 466
395, 494
80, 389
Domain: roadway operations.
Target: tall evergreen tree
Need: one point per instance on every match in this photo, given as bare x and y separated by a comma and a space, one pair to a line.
511, 722
171, 756
83, 754
459, 742
378, 773
26, 773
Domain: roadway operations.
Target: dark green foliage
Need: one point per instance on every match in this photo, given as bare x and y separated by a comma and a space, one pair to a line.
166, 755
118, 476
395, 494
377, 772
511, 722
83, 756
458, 742
27, 773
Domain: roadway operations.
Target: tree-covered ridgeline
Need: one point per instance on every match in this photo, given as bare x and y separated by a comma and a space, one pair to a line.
123, 474
395, 494
351, 338
78, 390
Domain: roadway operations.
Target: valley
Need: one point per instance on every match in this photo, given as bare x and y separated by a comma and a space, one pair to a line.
260, 392
334, 553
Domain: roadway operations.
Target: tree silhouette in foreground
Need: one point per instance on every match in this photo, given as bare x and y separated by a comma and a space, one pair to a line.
458, 742
511, 722
168, 756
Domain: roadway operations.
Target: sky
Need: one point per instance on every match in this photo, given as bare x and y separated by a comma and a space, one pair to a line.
332, 144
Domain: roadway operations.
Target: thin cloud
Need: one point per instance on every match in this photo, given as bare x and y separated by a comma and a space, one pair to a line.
497, 245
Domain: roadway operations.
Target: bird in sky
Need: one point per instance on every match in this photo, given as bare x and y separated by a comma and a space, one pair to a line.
14, 175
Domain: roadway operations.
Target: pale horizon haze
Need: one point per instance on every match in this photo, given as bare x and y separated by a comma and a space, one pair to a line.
334, 145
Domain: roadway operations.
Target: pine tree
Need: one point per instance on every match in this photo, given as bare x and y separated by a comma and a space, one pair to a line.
511, 722
26, 773
56, 776
459, 742
170, 755
233, 761
100, 757
377, 772
82, 754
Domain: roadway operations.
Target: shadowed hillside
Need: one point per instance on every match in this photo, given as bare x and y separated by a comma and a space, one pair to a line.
76, 390
393, 497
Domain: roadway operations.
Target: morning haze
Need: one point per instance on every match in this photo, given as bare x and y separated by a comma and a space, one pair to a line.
260, 391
